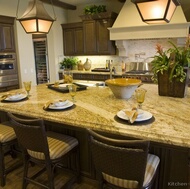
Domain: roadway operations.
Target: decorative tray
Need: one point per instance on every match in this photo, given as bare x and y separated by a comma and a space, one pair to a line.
65, 89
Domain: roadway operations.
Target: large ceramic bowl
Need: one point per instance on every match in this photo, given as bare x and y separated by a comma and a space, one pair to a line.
123, 87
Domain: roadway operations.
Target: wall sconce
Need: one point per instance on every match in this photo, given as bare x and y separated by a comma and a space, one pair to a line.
35, 19
156, 11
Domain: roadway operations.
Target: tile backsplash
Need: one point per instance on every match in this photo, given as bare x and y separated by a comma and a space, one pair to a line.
138, 50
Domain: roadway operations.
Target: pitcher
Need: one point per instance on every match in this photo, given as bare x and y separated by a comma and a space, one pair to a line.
87, 64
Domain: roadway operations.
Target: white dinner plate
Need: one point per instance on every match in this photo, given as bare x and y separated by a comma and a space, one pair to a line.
64, 86
142, 117
67, 105
15, 98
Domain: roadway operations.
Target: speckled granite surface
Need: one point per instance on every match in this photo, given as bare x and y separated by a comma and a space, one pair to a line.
96, 108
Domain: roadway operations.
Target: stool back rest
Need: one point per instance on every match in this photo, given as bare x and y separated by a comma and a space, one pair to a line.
31, 134
125, 159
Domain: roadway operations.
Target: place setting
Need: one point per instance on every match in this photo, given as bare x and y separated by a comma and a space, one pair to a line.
135, 115
14, 97
61, 104
18, 96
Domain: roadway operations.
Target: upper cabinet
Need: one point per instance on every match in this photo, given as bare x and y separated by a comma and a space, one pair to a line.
7, 34
90, 37
73, 39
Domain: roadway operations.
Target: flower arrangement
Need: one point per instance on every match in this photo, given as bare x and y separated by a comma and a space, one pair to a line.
172, 60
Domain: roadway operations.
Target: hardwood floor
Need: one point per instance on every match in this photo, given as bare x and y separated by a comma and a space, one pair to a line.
14, 179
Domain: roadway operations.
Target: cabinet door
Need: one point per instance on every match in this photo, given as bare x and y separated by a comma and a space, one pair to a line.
73, 39
79, 41
68, 41
90, 46
6, 38
104, 45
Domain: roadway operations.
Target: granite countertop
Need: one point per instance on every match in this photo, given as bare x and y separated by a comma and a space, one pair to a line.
97, 107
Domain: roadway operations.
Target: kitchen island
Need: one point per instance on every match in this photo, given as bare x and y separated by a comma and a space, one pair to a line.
96, 108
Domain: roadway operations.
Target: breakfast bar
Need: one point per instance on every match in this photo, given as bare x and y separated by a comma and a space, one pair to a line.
97, 108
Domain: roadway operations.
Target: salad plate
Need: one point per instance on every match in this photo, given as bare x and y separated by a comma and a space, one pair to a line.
143, 116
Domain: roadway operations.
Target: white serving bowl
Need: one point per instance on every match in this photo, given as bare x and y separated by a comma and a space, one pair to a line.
123, 87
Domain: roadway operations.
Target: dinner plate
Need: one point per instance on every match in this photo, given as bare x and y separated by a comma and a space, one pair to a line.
142, 117
67, 105
14, 98
64, 86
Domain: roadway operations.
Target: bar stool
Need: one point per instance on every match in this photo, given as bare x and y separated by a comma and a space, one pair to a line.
123, 164
7, 146
48, 149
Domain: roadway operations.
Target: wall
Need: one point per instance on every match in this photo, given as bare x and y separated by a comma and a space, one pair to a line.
24, 41
134, 47
55, 45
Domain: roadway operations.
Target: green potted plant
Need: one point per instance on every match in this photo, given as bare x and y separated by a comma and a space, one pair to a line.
171, 70
94, 12
68, 63
94, 9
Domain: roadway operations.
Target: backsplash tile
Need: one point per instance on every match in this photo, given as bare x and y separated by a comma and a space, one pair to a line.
138, 50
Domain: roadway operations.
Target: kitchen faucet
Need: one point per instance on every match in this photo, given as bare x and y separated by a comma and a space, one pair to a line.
112, 69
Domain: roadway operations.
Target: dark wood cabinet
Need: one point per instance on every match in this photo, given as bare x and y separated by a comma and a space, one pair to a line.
90, 37
96, 37
91, 76
87, 76
89, 28
7, 34
73, 39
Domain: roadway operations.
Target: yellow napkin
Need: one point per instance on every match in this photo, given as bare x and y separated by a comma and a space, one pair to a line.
132, 115
47, 104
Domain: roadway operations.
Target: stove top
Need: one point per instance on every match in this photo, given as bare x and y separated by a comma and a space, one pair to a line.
139, 72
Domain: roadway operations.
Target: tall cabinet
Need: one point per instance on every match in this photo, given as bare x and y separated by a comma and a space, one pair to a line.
9, 78
7, 43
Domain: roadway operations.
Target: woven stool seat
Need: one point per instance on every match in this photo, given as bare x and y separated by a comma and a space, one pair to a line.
6, 132
8, 141
151, 167
59, 145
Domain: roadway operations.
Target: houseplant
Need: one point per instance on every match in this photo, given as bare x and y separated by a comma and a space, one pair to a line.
94, 9
68, 63
94, 12
171, 70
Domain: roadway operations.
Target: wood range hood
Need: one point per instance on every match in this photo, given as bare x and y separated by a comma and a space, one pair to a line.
129, 25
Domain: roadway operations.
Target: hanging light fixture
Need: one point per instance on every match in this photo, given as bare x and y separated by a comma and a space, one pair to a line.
156, 11
35, 19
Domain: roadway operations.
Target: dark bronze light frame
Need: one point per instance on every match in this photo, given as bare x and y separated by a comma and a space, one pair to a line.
35, 19
145, 6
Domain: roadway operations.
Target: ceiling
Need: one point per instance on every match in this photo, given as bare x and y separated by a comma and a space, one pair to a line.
72, 4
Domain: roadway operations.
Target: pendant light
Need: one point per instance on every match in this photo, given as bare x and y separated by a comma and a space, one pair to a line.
35, 19
156, 11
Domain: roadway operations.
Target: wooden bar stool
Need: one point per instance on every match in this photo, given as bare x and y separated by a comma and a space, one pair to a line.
8, 141
47, 149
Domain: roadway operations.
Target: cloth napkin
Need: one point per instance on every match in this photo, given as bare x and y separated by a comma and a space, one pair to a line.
131, 114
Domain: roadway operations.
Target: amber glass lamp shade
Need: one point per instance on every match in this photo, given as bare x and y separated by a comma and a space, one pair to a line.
156, 11
36, 20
